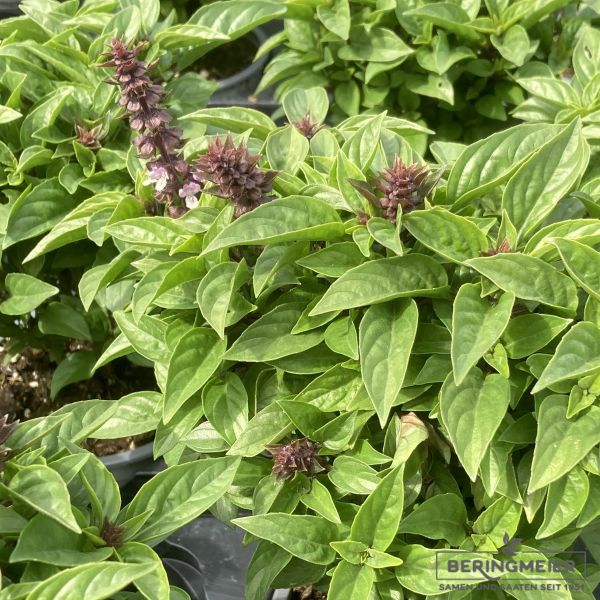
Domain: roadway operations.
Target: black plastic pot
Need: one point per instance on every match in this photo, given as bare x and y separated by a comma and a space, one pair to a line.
9, 8
183, 569
126, 465
238, 90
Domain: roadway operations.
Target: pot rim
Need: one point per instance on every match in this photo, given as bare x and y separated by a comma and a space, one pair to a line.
129, 456
253, 68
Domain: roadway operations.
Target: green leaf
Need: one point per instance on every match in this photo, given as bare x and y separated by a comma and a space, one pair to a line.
305, 537
266, 426
577, 354
187, 34
382, 280
385, 233
514, 45
529, 278
526, 334
44, 540
319, 499
441, 517
147, 336
92, 582
225, 404
333, 260
196, 357
26, 293
351, 582
491, 161
336, 18
560, 442
538, 185
386, 335
286, 149
96, 278
583, 264
377, 520
157, 232
43, 489
376, 44
135, 414
438, 57
235, 120
293, 218
267, 562
299, 102
61, 319
477, 324
216, 292
564, 502
449, 16
37, 211
271, 337
77, 366
179, 494
497, 520
471, 413
153, 585
449, 235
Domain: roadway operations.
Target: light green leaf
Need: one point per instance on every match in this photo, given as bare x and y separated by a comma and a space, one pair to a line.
26, 293
196, 357
216, 291
271, 337
319, 499
286, 149
526, 334
299, 102
564, 502
305, 537
477, 324
286, 219
560, 442
471, 413
583, 263
386, 335
382, 280
43, 489
538, 185
529, 278
491, 161
577, 354
351, 582
378, 518
179, 494
441, 517
449, 235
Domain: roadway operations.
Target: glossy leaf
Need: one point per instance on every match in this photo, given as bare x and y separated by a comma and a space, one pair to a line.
386, 335
477, 324
471, 413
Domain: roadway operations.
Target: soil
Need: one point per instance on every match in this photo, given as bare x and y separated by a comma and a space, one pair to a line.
308, 592
227, 60
25, 391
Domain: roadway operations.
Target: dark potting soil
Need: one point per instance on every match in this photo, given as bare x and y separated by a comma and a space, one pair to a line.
227, 60
25, 391
307, 592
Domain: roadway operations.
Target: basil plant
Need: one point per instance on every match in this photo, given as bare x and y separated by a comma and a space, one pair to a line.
450, 65
64, 531
404, 355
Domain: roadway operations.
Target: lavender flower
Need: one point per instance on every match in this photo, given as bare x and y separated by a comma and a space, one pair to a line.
156, 140
189, 192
